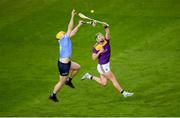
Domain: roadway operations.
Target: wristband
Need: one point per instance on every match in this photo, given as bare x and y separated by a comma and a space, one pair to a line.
105, 26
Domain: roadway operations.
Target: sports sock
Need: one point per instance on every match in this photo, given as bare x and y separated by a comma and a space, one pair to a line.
69, 79
91, 77
122, 91
53, 94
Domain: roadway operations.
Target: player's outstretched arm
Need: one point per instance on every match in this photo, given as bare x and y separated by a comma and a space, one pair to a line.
75, 30
71, 23
106, 28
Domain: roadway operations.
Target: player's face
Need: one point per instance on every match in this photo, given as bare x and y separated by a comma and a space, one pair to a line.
100, 38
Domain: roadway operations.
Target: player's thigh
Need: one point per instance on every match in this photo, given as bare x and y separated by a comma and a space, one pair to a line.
75, 66
103, 79
109, 75
63, 78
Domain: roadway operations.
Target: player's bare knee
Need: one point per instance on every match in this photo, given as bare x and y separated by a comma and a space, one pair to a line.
104, 84
62, 81
78, 67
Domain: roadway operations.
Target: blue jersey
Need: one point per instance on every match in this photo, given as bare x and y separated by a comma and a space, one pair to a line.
65, 47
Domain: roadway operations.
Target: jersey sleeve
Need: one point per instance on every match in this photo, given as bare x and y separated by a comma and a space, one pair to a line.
94, 50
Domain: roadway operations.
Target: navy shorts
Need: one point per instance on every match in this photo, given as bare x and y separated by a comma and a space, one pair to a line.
64, 68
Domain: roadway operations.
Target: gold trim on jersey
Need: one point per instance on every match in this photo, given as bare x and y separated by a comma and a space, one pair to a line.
99, 46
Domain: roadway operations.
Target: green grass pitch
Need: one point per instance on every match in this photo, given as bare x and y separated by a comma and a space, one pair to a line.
145, 41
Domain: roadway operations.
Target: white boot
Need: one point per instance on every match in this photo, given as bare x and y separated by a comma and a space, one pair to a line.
86, 76
127, 94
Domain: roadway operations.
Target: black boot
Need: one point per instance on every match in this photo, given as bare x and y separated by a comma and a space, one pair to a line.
69, 83
53, 97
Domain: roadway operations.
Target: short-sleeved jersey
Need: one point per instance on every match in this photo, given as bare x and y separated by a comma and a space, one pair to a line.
65, 47
104, 57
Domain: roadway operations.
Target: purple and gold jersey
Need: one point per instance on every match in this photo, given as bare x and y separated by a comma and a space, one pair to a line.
104, 57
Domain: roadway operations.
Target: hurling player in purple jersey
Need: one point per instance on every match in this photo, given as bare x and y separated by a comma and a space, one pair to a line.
102, 52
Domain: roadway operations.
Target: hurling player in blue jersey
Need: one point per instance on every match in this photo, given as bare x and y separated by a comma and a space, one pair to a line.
67, 68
